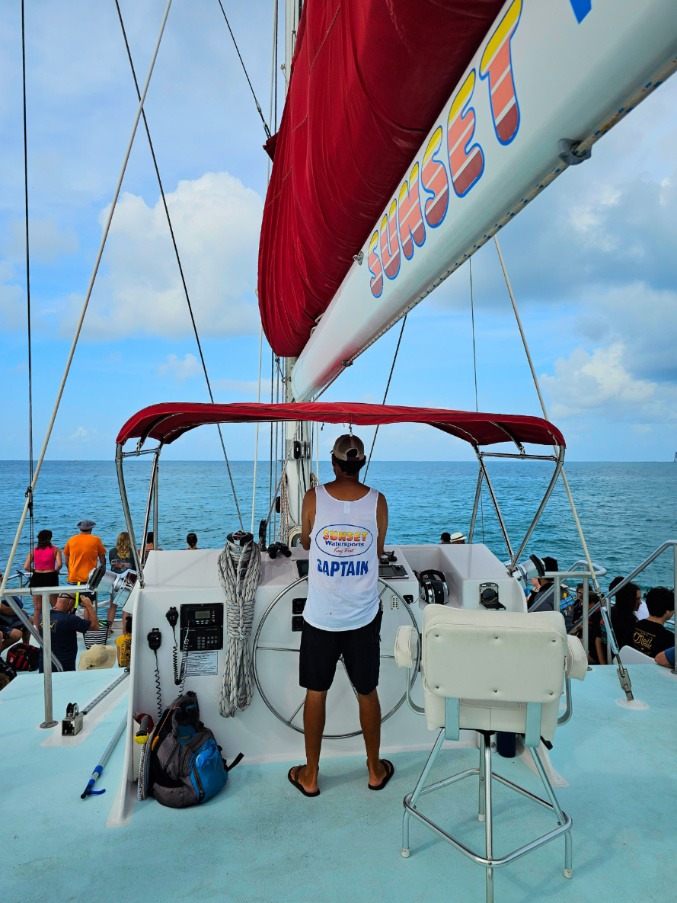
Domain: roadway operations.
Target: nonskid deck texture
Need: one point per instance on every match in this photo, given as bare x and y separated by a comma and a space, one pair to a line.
261, 840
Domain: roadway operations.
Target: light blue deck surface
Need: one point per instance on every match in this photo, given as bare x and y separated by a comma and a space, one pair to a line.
261, 840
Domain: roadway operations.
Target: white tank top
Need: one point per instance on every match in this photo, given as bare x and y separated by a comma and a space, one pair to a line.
343, 563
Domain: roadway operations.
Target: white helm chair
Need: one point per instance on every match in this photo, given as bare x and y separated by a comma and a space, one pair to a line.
494, 671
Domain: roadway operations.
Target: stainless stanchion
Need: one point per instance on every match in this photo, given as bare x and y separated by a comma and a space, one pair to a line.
47, 660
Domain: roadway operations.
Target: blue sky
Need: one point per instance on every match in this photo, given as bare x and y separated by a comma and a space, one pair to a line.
592, 260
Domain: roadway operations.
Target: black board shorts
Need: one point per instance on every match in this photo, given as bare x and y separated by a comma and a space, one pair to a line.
321, 650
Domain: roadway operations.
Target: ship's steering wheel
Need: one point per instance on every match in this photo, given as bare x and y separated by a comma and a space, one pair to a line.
276, 655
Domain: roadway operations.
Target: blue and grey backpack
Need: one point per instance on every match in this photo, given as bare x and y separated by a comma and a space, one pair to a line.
183, 761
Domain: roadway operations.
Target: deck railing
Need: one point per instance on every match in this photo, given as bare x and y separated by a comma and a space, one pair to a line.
603, 606
604, 602
44, 641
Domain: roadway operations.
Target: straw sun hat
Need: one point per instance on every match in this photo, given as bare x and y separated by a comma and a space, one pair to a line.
97, 657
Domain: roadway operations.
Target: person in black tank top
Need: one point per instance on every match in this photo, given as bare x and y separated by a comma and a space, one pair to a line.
344, 551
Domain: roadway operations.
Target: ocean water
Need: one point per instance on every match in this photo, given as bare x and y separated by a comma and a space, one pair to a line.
627, 510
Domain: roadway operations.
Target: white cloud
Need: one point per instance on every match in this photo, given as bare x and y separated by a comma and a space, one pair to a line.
643, 320
47, 244
587, 216
83, 435
238, 387
12, 300
47, 241
666, 193
180, 369
599, 383
216, 222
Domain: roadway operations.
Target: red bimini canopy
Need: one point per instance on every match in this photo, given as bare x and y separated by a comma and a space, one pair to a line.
369, 78
167, 422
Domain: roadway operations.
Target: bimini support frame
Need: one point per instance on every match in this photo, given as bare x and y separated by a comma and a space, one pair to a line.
120, 455
483, 477
167, 422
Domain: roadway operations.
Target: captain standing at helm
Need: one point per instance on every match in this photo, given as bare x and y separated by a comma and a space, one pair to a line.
344, 526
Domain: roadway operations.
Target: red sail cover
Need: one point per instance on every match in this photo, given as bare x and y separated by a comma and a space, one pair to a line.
369, 77
166, 422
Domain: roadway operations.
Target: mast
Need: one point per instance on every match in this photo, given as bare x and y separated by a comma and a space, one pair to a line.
292, 15
297, 435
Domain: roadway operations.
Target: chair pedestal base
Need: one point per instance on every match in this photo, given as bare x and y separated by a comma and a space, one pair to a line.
485, 812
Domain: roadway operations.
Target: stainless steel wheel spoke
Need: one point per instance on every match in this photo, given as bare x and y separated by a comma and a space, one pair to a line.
259, 647
296, 711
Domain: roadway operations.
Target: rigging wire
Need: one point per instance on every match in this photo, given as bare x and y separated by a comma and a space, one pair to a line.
278, 441
178, 257
623, 676
273, 117
316, 430
29, 340
272, 426
579, 527
244, 69
85, 304
385, 394
474, 346
474, 367
256, 431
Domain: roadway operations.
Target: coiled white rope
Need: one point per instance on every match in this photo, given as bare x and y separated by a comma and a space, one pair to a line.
239, 572
283, 530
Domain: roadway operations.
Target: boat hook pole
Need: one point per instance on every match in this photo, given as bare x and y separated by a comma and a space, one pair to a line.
623, 676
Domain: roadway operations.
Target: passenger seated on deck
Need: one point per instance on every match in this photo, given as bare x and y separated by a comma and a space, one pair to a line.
191, 542
11, 627
542, 595
66, 626
666, 658
642, 612
623, 618
7, 672
650, 636
124, 644
614, 583
596, 631
452, 539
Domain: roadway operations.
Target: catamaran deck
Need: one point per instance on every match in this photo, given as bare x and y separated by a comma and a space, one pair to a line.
260, 840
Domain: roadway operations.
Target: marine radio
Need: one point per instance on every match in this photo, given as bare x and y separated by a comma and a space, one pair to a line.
201, 627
